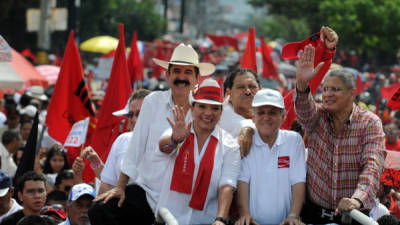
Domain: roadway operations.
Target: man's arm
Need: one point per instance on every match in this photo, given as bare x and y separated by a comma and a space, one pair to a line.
298, 197
117, 192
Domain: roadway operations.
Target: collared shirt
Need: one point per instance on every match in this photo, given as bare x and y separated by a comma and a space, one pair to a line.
345, 163
111, 170
143, 162
7, 162
233, 122
225, 172
271, 173
15, 207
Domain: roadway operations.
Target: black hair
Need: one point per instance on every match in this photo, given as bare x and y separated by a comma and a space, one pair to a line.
29, 175
56, 195
196, 70
9, 136
63, 175
54, 150
139, 94
36, 220
228, 83
388, 220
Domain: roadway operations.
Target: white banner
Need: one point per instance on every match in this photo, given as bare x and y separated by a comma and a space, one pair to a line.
77, 135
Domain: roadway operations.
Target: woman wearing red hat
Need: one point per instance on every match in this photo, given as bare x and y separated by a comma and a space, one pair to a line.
204, 161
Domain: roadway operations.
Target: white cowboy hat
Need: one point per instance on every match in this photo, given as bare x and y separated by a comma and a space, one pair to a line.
209, 92
37, 92
186, 55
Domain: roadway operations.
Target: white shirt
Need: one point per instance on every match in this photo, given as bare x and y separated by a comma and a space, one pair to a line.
111, 170
15, 207
269, 186
225, 172
378, 210
233, 122
7, 162
143, 162
3, 118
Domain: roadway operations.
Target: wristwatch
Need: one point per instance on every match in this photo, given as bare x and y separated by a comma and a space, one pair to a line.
222, 219
294, 215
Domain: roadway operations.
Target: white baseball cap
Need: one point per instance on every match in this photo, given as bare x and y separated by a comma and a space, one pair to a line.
268, 97
78, 190
29, 110
122, 112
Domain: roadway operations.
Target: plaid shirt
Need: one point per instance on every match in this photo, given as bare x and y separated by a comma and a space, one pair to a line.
345, 163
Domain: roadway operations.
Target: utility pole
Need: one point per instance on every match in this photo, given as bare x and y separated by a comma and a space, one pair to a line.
165, 2
44, 40
73, 17
182, 19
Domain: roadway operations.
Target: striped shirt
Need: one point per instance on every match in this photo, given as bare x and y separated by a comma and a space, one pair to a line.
346, 163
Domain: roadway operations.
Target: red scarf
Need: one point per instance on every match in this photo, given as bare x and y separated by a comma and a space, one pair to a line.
182, 176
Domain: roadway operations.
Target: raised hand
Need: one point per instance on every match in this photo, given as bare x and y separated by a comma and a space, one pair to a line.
329, 36
180, 129
305, 69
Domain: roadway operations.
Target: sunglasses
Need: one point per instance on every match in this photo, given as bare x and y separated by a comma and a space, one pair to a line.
54, 207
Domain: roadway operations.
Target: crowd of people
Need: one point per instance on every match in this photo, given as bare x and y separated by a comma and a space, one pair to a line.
214, 152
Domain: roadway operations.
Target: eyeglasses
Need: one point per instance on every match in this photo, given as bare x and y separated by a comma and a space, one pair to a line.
34, 191
332, 89
130, 115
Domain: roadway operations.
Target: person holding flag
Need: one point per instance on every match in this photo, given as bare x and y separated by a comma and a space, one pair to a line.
202, 153
144, 164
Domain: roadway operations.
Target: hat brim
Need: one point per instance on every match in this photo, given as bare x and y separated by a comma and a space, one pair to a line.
205, 101
4, 191
121, 112
290, 51
204, 68
42, 97
267, 103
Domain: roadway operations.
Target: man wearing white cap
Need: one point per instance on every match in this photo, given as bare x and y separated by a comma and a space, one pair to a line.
8, 205
111, 170
204, 161
271, 184
144, 164
79, 201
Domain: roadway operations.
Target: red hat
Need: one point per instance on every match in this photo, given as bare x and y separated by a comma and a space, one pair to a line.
56, 208
291, 51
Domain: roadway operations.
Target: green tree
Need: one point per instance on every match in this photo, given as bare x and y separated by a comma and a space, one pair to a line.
369, 26
101, 17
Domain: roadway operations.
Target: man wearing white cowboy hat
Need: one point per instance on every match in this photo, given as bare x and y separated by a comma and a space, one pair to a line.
144, 165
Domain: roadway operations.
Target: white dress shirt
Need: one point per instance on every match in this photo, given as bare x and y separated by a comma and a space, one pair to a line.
7, 162
143, 162
225, 172
270, 182
15, 207
233, 122
111, 169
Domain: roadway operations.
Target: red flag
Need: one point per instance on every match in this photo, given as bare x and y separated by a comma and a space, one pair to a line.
157, 70
394, 102
117, 94
249, 60
223, 40
388, 91
70, 101
270, 68
135, 64
360, 84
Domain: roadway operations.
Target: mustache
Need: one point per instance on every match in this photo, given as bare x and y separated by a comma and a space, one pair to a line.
246, 95
179, 81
